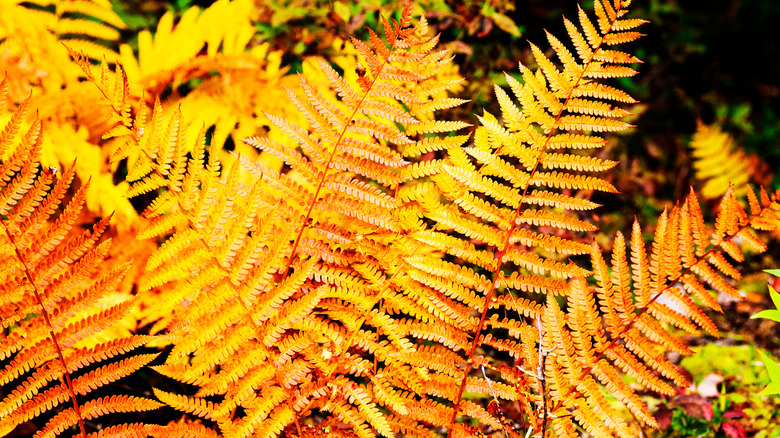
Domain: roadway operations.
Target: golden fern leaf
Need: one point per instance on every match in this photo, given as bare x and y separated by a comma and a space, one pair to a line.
216, 102
52, 293
250, 249
235, 77
337, 287
354, 136
612, 332
36, 29
73, 117
33, 34
716, 164
67, 121
497, 178
173, 55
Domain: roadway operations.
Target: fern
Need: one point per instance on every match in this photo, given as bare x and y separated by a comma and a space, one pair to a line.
491, 191
700, 263
489, 187
35, 52
299, 264
30, 27
716, 164
33, 57
361, 270
211, 48
51, 293
269, 271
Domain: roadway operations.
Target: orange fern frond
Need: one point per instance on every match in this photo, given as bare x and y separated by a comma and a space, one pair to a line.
502, 174
51, 287
667, 288
257, 243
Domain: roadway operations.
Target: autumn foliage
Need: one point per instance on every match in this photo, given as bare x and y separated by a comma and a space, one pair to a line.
357, 264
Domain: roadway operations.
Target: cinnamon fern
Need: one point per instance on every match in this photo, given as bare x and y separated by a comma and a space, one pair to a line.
367, 267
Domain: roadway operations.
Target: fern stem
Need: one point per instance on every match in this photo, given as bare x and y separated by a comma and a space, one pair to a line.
52, 335
330, 160
542, 380
499, 255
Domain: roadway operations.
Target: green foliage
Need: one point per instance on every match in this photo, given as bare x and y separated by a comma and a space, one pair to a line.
737, 409
772, 368
727, 360
685, 425
773, 314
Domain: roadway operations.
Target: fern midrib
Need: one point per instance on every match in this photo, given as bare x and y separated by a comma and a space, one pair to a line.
376, 298
52, 335
325, 174
500, 253
628, 326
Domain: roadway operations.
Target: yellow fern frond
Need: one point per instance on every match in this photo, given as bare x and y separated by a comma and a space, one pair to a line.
717, 164
554, 108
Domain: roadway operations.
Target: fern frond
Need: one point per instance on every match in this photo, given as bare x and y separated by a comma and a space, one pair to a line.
501, 175
717, 164
349, 276
608, 311
224, 25
52, 284
249, 248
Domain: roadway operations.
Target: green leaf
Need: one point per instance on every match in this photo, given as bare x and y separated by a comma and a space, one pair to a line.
773, 314
773, 369
733, 360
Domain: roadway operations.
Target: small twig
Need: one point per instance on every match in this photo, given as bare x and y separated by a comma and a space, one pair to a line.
528, 373
540, 371
490, 384
539, 375
551, 415
495, 398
